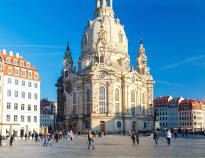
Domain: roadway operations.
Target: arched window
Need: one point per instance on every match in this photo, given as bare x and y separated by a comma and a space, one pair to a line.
88, 93
133, 102
74, 102
8, 60
102, 93
117, 99
102, 99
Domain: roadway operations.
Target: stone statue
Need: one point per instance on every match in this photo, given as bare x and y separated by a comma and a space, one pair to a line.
156, 116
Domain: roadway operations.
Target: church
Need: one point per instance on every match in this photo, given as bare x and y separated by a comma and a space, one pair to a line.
105, 92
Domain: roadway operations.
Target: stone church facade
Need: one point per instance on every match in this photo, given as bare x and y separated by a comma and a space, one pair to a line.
105, 92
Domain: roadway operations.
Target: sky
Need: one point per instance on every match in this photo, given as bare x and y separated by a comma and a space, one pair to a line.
173, 34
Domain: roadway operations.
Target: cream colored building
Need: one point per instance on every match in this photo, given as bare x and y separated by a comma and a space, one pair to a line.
106, 92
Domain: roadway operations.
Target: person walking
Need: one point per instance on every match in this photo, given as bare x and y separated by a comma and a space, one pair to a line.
133, 137
26, 136
169, 135
90, 140
175, 134
71, 135
137, 137
11, 141
0, 139
156, 137
36, 137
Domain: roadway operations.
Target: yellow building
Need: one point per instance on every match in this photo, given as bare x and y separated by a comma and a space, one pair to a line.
106, 92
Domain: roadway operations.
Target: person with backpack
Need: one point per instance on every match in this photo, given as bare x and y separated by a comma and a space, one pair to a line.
90, 140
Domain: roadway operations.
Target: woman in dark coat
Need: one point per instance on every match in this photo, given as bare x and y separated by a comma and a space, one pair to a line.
156, 137
0, 139
11, 140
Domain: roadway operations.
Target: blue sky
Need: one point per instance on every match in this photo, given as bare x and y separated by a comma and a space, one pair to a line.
173, 34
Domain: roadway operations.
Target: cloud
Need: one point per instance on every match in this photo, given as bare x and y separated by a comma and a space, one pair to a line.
188, 60
33, 46
170, 83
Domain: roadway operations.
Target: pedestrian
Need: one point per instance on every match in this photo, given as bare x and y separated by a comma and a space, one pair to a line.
36, 137
11, 141
169, 135
133, 137
137, 137
26, 136
175, 134
33, 136
0, 139
156, 137
90, 140
45, 140
71, 135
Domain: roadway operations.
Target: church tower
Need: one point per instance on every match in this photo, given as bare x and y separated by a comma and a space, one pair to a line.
105, 93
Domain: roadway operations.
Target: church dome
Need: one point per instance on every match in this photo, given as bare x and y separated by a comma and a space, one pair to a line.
114, 34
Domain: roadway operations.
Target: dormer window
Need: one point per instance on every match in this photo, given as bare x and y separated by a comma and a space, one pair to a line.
8, 60
36, 76
21, 63
15, 61
28, 65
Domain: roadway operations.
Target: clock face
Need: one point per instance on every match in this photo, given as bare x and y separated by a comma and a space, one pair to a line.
101, 49
101, 75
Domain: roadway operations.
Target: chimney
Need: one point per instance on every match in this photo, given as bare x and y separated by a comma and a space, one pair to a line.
11, 53
4, 51
17, 55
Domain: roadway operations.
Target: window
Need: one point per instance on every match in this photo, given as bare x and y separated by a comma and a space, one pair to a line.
15, 118
8, 118
28, 118
21, 63
15, 106
8, 105
16, 93
133, 102
29, 107
35, 119
74, 102
88, 108
102, 107
9, 70
88, 93
30, 74
22, 106
29, 84
28, 65
15, 61
9, 81
35, 96
35, 85
9, 93
120, 37
16, 82
8, 60
119, 124
102, 93
22, 94
22, 118
29, 95
16, 71
143, 111
117, 99
36, 76
23, 83
35, 107
102, 99
23, 73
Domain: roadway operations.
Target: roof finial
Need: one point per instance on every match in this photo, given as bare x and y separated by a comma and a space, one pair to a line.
141, 41
68, 48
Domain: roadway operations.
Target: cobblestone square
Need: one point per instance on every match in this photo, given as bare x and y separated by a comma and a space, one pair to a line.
108, 147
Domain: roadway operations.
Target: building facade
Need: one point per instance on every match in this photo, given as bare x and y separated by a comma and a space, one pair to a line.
105, 92
167, 108
191, 115
48, 114
20, 95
